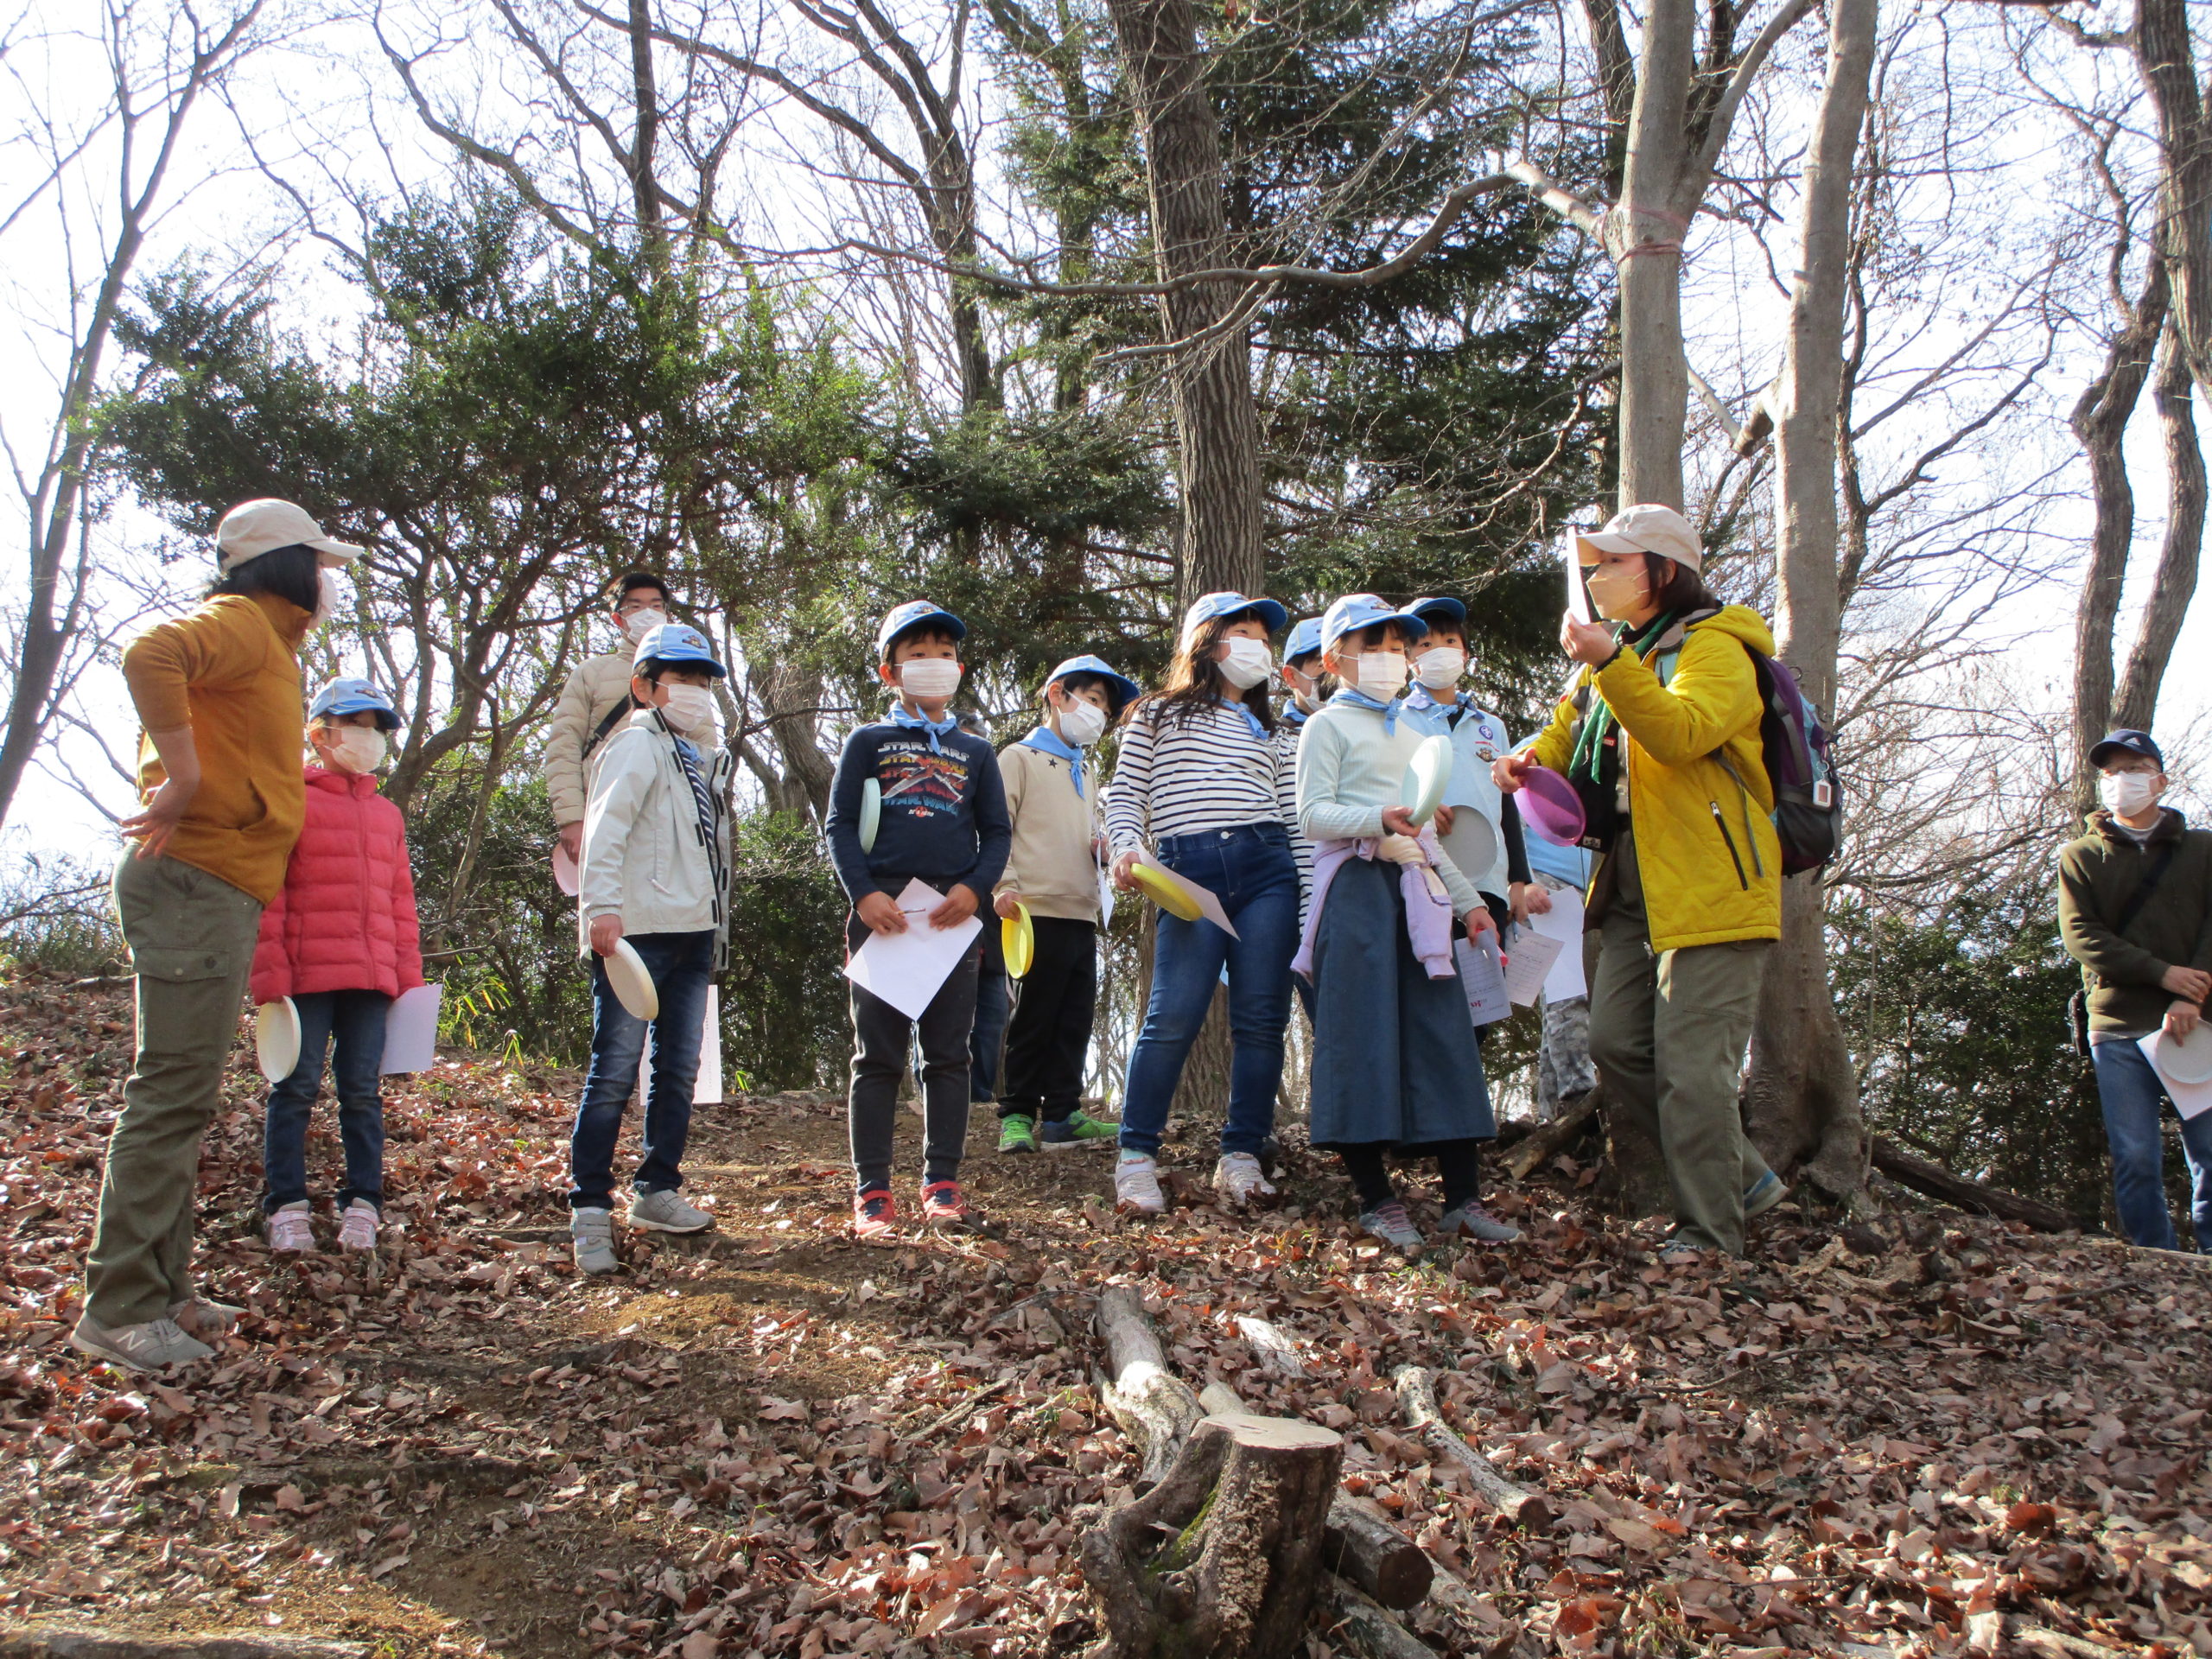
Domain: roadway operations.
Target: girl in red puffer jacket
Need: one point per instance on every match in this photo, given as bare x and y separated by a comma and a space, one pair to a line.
342, 942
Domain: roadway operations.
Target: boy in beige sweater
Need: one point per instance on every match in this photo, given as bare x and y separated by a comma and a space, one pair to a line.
1052, 872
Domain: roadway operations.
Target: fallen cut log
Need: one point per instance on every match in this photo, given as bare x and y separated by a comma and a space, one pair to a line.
58, 1642
1363, 1547
1153, 1407
1277, 1354
1417, 1396
1540, 1142
1937, 1182
1243, 1510
1368, 1630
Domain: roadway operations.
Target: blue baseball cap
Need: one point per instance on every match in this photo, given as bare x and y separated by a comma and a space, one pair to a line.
915, 612
1203, 611
1305, 640
346, 696
1444, 609
2126, 741
1119, 687
1357, 611
678, 645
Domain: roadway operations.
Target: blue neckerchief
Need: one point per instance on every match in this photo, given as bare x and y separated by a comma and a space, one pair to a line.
1421, 699
1293, 714
1048, 741
920, 722
1361, 699
1250, 719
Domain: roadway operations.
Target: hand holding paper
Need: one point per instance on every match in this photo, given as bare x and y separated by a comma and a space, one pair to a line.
906, 968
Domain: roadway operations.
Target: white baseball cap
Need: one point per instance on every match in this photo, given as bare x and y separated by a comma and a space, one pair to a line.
1648, 529
253, 528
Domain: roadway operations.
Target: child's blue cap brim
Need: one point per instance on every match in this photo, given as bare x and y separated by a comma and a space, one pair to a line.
1439, 609
1356, 613
678, 645
1304, 639
1271, 615
1120, 689
904, 619
342, 697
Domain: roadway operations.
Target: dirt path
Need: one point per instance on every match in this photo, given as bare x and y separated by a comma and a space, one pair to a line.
774, 1440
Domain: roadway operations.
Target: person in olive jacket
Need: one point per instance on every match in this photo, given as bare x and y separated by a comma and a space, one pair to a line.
2135, 909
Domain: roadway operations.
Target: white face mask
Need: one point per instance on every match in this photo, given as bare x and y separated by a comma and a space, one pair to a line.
1380, 674
689, 709
1082, 723
929, 677
1439, 667
638, 624
1248, 663
330, 596
356, 749
2126, 794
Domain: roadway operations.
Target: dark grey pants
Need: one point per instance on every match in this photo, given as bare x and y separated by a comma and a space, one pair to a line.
881, 1035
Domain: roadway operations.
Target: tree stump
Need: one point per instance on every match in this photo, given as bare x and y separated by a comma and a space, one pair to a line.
1222, 1557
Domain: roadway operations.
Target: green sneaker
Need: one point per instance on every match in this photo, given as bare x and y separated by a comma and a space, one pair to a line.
1077, 1131
1017, 1133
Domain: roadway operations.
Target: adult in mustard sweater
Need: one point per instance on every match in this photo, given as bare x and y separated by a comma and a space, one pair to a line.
1660, 736
218, 695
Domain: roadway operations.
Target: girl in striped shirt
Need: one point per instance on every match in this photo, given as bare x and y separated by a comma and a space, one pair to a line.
1202, 777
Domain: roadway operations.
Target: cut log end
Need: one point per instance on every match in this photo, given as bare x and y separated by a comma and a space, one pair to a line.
1273, 1433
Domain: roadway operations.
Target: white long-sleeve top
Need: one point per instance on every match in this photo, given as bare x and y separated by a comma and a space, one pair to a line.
1350, 768
1212, 772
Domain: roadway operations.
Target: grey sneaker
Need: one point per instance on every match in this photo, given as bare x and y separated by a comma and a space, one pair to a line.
1470, 1220
203, 1320
664, 1210
1390, 1222
594, 1233
1765, 1192
147, 1347
1680, 1253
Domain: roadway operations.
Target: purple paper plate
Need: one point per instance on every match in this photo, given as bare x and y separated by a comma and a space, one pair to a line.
1551, 807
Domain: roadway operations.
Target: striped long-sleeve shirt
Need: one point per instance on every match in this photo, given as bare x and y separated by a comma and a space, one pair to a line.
1176, 777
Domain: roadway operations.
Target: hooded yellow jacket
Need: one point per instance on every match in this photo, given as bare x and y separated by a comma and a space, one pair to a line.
1705, 843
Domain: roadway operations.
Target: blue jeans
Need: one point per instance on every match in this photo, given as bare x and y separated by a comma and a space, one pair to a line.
2132, 1096
681, 965
1251, 870
350, 1024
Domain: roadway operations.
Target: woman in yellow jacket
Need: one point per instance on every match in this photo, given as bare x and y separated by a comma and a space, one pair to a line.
1660, 736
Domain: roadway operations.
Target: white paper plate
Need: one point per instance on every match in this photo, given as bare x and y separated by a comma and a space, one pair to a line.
566, 876
871, 813
1472, 844
1421, 791
634, 985
277, 1037
2187, 1059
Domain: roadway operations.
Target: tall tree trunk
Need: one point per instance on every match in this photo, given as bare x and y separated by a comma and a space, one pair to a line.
1804, 1093
2175, 584
1645, 236
1217, 425
2166, 58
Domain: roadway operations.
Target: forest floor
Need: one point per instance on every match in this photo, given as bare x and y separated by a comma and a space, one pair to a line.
1927, 1435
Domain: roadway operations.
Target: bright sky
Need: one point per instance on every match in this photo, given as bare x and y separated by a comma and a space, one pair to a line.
322, 110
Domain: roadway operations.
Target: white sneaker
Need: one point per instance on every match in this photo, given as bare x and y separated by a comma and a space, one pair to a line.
147, 1347
1239, 1181
291, 1230
592, 1233
1136, 1185
357, 1228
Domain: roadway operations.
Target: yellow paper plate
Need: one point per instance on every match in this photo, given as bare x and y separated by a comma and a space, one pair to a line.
1164, 893
1018, 938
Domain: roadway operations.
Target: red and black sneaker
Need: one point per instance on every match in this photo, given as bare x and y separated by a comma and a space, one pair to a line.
876, 1212
942, 1206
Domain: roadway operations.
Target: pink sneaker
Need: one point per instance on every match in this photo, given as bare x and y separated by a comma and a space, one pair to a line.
290, 1231
357, 1228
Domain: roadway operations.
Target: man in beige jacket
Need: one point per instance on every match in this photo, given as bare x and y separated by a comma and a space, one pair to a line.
1052, 873
593, 703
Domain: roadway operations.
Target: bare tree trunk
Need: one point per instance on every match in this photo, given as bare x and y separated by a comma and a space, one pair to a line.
2167, 60
1217, 425
2175, 584
1804, 1093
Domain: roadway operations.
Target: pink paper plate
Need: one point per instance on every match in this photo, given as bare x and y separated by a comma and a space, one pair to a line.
1550, 806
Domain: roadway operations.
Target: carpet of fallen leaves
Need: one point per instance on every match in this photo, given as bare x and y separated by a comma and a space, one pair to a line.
1925, 1433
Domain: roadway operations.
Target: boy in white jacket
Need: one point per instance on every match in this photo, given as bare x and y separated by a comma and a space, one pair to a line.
656, 860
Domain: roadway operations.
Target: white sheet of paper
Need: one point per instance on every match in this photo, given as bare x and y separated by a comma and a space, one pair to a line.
1577, 596
411, 1031
1482, 976
1529, 958
2190, 1099
1563, 922
1105, 898
906, 968
1209, 906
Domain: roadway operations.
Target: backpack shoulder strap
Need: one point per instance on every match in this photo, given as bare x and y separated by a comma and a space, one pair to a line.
613, 716
2148, 886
